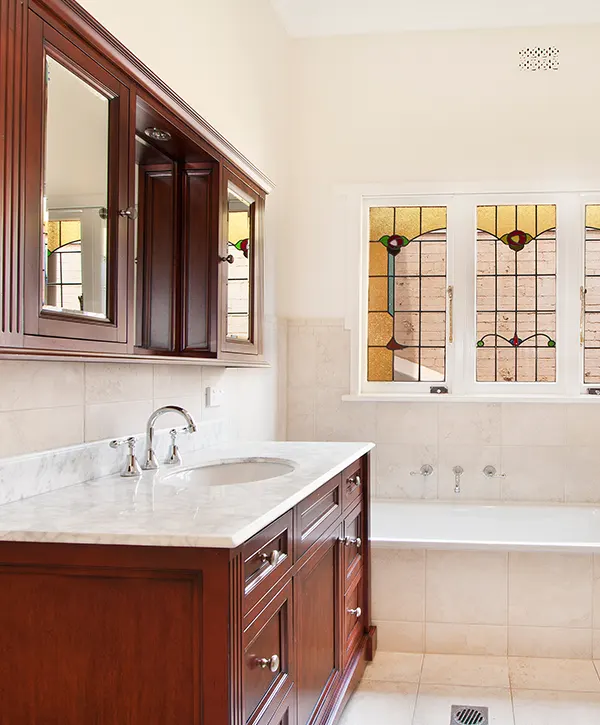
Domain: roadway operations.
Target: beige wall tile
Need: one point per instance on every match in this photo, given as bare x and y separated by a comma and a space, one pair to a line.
583, 423
113, 383
332, 357
337, 420
177, 380
112, 420
300, 414
400, 636
581, 480
396, 461
28, 431
398, 584
408, 423
564, 643
533, 424
467, 587
469, 423
466, 639
302, 357
547, 589
596, 644
533, 473
30, 384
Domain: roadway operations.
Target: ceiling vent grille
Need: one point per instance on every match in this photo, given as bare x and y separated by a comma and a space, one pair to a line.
533, 59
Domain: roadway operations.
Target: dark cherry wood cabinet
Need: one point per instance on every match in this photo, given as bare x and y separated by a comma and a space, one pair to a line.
116, 205
269, 633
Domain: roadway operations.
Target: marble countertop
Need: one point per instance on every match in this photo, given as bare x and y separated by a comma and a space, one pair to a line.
153, 510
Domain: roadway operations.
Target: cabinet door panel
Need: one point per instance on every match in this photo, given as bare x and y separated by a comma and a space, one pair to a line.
318, 627
156, 256
99, 648
354, 543
199, 257
76, 285
268, 657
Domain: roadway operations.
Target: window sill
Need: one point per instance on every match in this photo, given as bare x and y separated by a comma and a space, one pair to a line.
449, 398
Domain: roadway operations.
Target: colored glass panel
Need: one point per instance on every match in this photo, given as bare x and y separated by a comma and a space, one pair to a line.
407, 294
516, 293
591, 300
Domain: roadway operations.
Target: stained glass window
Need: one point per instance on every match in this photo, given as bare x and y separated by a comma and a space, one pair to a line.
407, 294
592, 295
516, 293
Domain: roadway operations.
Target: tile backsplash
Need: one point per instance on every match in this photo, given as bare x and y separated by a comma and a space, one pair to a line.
547, 451
47, 405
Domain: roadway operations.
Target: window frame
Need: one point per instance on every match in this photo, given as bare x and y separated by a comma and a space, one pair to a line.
461, 274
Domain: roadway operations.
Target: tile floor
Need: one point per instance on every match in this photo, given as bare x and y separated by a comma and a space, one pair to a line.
413, 689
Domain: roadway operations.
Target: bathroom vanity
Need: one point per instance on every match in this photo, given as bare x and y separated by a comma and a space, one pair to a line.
162, 601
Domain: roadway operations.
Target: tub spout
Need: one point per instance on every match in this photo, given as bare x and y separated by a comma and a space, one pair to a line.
458, 472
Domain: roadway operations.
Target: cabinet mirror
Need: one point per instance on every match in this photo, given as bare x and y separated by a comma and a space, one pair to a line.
75, 194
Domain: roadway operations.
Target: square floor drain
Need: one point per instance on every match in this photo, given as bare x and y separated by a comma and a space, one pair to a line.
469, 715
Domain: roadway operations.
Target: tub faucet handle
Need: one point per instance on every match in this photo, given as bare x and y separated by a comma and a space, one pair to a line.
490, 472
425, 470
458, 472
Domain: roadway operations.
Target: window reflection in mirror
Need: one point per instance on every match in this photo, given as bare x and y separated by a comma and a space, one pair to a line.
75, 194
239, 241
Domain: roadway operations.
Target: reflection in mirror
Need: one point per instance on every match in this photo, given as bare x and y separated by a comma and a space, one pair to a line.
239, 223
75, 194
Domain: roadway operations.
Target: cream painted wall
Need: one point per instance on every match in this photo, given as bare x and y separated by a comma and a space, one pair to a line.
229, 60
428, 107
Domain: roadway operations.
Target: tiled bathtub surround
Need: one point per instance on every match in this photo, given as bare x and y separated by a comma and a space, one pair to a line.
548, 451
487, 603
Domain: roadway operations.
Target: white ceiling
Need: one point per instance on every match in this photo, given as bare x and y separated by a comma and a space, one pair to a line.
305, 18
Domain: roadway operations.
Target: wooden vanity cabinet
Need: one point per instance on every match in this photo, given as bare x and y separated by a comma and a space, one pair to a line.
264, 634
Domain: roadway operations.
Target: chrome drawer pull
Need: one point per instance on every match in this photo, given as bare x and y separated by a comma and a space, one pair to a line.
354, 480
272, 558
271, 663
349, 541
357, 612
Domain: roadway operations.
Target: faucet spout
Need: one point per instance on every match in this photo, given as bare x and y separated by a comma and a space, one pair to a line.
458, 472
151, 462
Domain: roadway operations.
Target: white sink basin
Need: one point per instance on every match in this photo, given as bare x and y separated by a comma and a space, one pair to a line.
229, 473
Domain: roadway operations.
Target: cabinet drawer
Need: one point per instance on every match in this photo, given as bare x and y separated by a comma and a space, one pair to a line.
353, 544
268, 658
352, 483
353, 616
317, 513
267, 557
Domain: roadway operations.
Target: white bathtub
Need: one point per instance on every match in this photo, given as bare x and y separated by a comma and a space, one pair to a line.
504, 526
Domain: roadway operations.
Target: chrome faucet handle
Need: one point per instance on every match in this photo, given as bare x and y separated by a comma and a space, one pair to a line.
490, 472
174, 457
458, 472
425, 470
132, 467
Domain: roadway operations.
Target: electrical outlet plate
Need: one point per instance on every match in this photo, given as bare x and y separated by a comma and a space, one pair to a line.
214, 397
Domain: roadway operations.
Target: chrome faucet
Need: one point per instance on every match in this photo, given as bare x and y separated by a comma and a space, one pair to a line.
151, 462
458, 472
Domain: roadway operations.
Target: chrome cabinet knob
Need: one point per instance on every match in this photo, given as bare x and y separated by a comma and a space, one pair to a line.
349, 541
271, 558
270, 663
129, 213
357, 612
354, 481
229, 259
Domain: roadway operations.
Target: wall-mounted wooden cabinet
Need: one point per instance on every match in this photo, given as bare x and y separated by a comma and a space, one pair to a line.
119, 204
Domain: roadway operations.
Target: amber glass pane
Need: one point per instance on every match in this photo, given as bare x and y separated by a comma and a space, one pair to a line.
516, 293
407, 294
